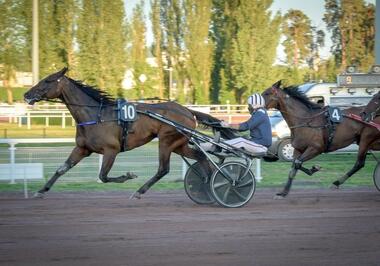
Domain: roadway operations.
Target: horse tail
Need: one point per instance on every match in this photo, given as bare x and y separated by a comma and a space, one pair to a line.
209, 121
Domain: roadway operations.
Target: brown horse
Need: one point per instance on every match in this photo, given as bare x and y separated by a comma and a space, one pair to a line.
98, 131
313, 134
372, 109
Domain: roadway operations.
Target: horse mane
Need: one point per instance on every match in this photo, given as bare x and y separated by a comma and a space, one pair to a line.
294, 92
95, 93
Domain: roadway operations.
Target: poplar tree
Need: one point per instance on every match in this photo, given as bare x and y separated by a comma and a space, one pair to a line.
87, 38
102, 42
223, 32
198, 48
157, 51
173, 43
138, 51
56, 35
254, 47
14, 45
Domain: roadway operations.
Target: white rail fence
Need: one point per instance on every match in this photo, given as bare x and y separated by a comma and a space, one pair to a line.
142, 161
25, 115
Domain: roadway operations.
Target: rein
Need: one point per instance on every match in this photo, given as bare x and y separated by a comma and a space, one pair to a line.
307, 124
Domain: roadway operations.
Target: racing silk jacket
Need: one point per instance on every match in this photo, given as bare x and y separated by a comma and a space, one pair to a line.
259, 126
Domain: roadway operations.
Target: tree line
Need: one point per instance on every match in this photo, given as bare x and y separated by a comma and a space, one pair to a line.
203, 51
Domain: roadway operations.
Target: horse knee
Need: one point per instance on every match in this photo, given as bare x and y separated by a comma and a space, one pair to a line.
62, 169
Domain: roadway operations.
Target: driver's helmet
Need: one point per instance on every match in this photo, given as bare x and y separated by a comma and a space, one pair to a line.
256, 101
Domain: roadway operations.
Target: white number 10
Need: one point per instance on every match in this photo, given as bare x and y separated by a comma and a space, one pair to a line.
129, 111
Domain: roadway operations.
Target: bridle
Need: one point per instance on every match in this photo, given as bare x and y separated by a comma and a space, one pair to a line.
374, 113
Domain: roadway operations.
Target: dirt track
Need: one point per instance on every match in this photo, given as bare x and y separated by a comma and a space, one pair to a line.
311, 227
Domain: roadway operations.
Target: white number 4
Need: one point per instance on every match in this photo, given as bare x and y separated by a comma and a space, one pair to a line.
336, 115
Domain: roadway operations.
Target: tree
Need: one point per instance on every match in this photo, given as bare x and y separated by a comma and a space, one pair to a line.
56, 35
314, 60
223, 31
296, 28
13, 41
157, 51
138, 50
253, 49
102, 44
351, 23
198, 48
172, 19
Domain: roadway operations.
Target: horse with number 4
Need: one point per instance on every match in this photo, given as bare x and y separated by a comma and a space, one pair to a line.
98, 119
316, 130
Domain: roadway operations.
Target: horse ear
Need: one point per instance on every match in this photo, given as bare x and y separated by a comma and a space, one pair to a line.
277, 84
63, 71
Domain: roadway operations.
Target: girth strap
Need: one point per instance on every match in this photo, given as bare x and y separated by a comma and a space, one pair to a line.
126, 128
331, 128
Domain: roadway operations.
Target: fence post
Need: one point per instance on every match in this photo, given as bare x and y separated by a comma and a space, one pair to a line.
100, 167
12, 150
184, 169
47, 121
63, 119
28, 120
258, 169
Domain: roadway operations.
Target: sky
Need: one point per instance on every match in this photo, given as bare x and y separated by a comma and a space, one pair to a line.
314, 9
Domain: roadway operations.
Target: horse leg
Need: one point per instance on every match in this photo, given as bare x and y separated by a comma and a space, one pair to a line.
359, 164
308, 154
77, 154
107, 163
165, 150
197, 155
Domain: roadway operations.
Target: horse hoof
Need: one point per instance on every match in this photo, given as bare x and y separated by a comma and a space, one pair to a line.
38, 195
279, 197
334, 187
130, 175
136, 195
316, 168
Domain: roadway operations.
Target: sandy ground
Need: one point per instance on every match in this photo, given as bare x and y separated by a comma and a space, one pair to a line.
310, 227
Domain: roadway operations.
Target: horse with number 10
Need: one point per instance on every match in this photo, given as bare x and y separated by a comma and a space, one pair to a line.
98, 131
313, 133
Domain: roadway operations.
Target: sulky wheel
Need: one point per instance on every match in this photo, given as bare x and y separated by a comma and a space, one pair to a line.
229, 187
197, 186
376, 176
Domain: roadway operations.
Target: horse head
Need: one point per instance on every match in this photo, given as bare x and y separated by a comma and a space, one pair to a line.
49, 88
272, 95
372, 109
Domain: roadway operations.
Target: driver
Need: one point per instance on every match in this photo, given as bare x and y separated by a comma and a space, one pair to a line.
259, 127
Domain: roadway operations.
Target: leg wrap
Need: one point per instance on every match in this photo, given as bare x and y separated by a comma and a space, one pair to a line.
297, 164
63, 169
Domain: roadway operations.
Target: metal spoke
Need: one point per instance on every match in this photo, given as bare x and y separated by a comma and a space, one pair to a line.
245, 184
239, 194
226, 193
221, 184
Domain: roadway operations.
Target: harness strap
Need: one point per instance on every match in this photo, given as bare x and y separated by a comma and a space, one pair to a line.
99, 115
331, 128
359, 119
124, 135
87, 123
